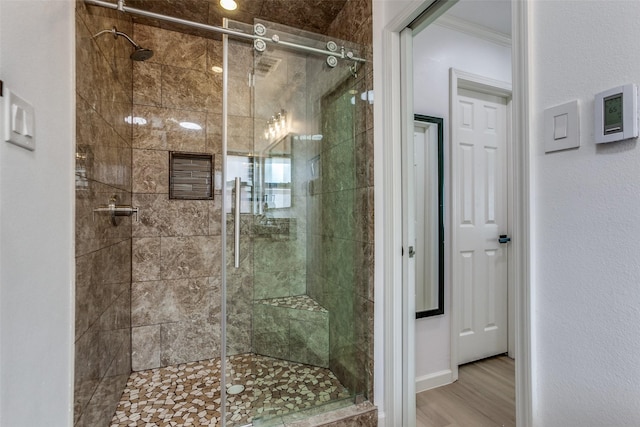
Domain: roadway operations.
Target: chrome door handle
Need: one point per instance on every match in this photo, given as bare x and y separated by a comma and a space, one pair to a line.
504, 239
237, 225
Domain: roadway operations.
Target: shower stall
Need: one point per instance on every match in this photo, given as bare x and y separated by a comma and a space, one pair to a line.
291, 214
252, 255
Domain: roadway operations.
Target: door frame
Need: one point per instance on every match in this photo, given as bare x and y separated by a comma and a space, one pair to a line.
392, 389
463, 80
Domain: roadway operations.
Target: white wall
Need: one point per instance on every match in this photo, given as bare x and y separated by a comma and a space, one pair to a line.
36, 218
586, 228
436, 49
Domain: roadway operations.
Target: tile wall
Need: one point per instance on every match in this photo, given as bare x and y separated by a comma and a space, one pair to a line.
280, 256
103, 251
339, 231
355, 23
178, 84
177, 244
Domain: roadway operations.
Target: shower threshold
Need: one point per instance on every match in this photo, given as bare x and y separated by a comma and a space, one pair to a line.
189, 394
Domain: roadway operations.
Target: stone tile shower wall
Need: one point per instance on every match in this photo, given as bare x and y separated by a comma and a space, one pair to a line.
103, 251
284, 329
175, 303
341, 276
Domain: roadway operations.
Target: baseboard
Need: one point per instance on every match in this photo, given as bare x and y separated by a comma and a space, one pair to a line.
437, 379
381, 420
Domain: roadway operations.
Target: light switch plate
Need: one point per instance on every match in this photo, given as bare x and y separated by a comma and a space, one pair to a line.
20, 121
562, 127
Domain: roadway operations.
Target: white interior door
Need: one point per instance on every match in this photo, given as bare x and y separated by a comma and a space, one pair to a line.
479, 172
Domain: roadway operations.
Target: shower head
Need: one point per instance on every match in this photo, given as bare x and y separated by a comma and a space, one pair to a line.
140, 54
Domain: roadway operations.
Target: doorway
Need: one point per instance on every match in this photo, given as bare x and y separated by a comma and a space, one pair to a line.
439, 52
520, 294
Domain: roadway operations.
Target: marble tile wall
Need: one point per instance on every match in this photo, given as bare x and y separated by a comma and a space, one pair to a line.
280, 257
103, 252
177, 244
297, 334
355, 23
341, 231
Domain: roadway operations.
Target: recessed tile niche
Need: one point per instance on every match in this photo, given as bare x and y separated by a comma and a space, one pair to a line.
190, 176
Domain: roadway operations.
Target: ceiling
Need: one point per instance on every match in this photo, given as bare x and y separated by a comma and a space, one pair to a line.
309, 15
493, 14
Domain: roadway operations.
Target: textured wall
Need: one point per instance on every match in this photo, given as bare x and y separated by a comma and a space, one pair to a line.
103, 252
175, 305
584, 222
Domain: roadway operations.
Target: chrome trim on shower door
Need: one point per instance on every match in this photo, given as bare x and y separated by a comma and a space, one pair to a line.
236, 220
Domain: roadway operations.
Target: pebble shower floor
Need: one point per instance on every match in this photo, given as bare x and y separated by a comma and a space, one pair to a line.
189, 394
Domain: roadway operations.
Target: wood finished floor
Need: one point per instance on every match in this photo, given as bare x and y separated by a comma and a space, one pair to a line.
483, 396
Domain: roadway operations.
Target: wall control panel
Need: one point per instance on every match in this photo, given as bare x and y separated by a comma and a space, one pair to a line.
19, 121
616, 114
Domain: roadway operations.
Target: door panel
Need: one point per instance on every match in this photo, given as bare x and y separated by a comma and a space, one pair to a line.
480, 273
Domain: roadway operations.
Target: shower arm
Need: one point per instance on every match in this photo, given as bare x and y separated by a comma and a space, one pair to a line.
233, 33
117, 33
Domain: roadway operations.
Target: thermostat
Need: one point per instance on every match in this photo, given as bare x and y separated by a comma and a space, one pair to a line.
616, 114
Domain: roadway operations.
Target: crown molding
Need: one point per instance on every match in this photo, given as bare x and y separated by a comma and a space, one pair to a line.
473, 29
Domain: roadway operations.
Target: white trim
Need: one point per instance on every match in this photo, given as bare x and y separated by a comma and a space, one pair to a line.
408, 15
462, 80
408, 228
71, 16
434, 380
387, 135
481, 84
511, 277
475, 30
391, 224
521, 226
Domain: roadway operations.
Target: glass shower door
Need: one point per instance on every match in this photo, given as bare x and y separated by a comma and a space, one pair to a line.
292, 334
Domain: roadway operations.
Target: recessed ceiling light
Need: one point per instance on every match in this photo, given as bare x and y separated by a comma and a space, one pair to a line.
216, 69
229, 4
